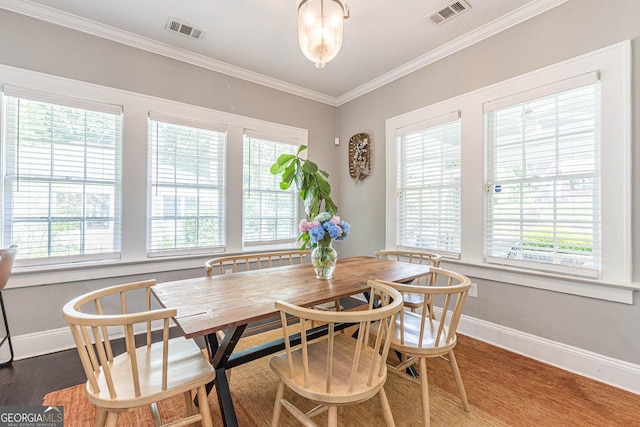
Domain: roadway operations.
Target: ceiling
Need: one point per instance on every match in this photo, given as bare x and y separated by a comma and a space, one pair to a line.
257, 39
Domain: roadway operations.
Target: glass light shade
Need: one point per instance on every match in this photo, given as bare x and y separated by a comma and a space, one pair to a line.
320, 25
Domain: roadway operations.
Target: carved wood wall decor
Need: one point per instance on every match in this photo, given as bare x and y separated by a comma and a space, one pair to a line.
359, 156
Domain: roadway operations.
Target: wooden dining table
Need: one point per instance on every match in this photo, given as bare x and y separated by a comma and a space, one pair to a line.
230, 302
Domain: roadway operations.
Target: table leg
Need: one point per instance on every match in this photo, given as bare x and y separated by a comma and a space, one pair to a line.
220, 353
212, 344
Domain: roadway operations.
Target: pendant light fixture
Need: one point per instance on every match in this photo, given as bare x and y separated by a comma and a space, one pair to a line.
320, 26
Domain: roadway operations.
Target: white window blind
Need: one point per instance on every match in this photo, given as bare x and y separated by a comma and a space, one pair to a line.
429, 185
62, 178
269, 214
186, 185
543, 190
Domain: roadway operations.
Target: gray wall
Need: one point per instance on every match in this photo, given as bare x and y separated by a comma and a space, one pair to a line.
35, 45
577, 27
572, 29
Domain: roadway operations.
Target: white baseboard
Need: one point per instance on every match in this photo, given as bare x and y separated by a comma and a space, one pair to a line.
601, 368
53, 340
39, 343
618, 373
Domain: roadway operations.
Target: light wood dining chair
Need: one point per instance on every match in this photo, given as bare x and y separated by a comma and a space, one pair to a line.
255, 261
414, 301
338, 369
138, 376
419, 336
7, 257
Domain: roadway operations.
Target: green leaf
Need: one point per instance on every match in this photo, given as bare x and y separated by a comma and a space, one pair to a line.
329, 206
309, 167
311, 193
284, 185
299, 175
281, 163
326, 175
305, 238
301, 149
289, 173
284, 158
311, 205
323, 186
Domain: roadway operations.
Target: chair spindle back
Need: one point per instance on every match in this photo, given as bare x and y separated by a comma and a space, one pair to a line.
258, 261
362, 364
92, 329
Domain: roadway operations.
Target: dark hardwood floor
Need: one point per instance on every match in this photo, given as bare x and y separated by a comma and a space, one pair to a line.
26, 382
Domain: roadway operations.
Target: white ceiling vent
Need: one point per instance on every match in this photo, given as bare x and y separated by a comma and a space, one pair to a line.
176, 26
448, 11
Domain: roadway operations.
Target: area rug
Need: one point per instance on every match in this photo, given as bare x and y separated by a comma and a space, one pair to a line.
503, 388
253, 387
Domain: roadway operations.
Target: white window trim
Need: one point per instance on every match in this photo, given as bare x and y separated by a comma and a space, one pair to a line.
588, 79
136, 107
428, 124
188, 122
23, 93
614, 64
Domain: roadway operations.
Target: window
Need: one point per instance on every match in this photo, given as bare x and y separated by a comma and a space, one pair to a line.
543, 198
429, 185
269, 214
62, 182
98, 182
544, 178
186, 185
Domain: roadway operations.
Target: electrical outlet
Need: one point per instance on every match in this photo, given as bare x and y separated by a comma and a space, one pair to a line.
228, 271
473, 290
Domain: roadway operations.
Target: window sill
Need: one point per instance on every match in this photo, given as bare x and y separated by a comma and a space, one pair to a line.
66, 273
591, 288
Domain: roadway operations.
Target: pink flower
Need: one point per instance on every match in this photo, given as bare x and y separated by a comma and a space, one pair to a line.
335, 220
305, 225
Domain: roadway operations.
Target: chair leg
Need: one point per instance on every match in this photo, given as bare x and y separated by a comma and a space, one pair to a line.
458, 378
386, 409
424, 386
112, 419
333, 416
8, 336
277, 407
188, 403
203, 405
102, 417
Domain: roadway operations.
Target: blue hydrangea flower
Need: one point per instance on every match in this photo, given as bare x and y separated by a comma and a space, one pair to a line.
324, 228
332, 229
346, 227
316, 233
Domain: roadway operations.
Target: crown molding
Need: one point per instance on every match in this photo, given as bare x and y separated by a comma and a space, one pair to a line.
509, 20
58, 17
55, 16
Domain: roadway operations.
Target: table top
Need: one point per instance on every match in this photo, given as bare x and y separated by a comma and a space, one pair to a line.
208, 304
